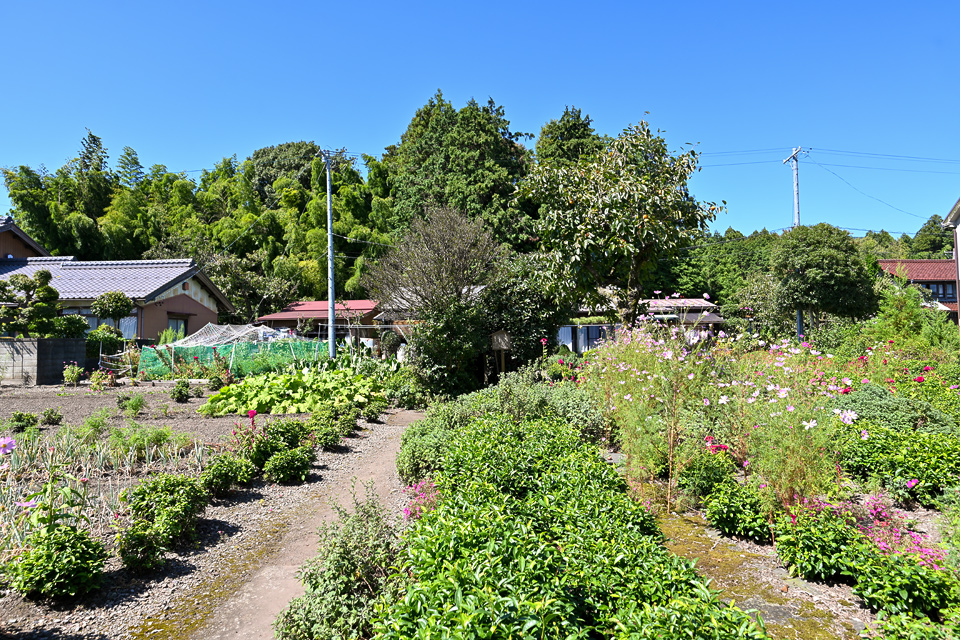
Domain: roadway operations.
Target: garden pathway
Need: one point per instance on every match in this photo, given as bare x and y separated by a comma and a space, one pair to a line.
249, 610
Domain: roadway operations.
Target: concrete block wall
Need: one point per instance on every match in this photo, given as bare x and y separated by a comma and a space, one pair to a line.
39, 361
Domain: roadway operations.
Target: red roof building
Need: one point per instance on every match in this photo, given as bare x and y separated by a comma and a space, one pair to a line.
939, 276
310, 317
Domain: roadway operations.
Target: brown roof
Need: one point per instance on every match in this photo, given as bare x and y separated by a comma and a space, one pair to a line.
922, 270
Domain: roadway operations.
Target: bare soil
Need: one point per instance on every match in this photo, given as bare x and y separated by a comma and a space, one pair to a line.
242, 571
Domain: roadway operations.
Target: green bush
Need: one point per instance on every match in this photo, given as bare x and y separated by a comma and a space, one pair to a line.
904, 626
57, 562
817, 543
422, 446
104, 337
139, 548
376, 407
180, 391
225, 471
290, 431
356, 556
877, 405
324, 430
706, 472
897, 584
700, 615
406, 390
734, 509
346, 420
51, 417
291, 465
131, 404
20, 421
170, 503
911, 466
138, 438
93, 427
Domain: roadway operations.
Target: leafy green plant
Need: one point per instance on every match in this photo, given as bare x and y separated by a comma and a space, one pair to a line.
139, 438
21, 421
291, 465
139, 547
343, 582
705, 472
817, 543
296, 391
225, 471
72, 372
372, 411
104, 339
93, 427
51, 417
738, 510
346, 420
877, 405
180, 391
131, 404
904, 626
405, 389
898, 584
98, 379
291, 431
58, 561
171, 505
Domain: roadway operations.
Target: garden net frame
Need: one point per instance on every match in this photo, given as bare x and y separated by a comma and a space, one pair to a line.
241, 349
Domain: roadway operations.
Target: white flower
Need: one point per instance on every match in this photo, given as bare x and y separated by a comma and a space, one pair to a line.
808, 425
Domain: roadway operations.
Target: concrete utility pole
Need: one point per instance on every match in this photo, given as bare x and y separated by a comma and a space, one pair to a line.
331, 304
794, 160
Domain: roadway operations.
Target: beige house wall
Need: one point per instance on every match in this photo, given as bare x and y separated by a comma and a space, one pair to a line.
156, 315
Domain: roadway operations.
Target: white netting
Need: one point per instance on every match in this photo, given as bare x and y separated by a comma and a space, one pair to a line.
214, 335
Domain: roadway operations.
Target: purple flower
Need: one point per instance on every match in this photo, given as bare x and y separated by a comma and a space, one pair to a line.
706, 296
29, 504
7, 445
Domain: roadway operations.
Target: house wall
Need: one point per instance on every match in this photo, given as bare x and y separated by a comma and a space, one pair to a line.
10, 244
38, 361
156, 314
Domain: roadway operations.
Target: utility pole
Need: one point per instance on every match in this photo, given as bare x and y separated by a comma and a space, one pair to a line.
331, 305
794, 160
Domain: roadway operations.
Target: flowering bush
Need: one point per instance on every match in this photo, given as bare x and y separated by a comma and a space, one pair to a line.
423, 497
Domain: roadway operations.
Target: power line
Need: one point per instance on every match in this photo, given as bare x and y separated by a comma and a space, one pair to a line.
856, 166
844, 180
349, 239
867, 154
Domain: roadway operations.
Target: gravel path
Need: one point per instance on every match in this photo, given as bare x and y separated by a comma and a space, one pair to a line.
241, 572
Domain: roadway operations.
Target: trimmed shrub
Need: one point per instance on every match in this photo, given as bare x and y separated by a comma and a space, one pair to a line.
59, 561
734, 509
817, 543
170, 503
225, 471
139, 548
180, 391
292, 465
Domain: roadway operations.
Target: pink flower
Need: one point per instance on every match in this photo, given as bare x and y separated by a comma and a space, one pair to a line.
918, 379
561, 360
706, 296
7, 445
928, 368
910, 483
28, 504
252, 413
543, 341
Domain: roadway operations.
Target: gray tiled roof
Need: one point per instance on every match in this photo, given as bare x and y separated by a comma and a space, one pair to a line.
76, 280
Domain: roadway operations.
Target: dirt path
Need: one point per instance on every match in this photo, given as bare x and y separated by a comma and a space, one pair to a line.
253, 589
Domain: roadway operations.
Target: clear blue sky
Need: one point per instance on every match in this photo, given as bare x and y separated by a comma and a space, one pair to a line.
187, 83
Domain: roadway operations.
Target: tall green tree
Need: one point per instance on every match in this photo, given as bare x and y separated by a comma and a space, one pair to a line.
608, 219
820, 271
932, 240
568, 138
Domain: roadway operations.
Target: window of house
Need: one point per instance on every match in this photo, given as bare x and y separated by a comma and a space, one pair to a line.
177, 325
949, 293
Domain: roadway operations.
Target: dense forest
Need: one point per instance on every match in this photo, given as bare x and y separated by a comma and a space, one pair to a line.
258, 226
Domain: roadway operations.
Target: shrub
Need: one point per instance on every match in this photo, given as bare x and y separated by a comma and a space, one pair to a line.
406, 390
180, 391
21, 421
899, 584
104, 339
98, 379
289, 466
903, 626
324, 429
738, 510
58, 561
170, 503
347, 420
376, 407
225, 471
422, 446
138, 438
93, 427
51, 417
290, 431
877, 405
705, 472
139, 548
818, 543
355, 558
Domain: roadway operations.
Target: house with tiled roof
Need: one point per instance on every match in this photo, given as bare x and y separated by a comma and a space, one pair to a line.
167, 294
15, 243
937, 276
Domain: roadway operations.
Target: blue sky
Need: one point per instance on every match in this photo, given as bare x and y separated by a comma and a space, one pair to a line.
187, 83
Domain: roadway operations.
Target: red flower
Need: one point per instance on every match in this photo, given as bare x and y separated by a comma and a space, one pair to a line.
928, 368
918, 379
845, 390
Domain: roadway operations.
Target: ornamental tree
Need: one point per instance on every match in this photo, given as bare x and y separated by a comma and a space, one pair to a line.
820, 271
609, 218
112, 305
31, 304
